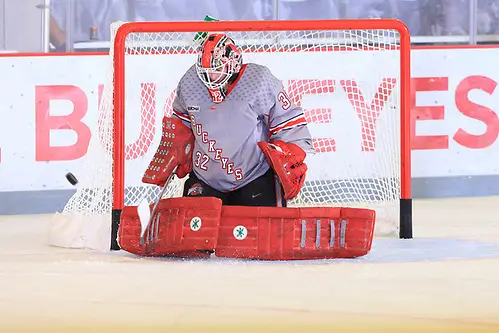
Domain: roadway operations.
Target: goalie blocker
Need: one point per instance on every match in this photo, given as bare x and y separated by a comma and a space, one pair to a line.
194, 227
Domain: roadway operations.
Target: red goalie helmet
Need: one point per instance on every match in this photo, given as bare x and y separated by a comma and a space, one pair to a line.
218, 60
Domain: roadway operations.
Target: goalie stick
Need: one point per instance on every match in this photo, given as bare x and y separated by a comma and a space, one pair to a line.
174, 155
144, 211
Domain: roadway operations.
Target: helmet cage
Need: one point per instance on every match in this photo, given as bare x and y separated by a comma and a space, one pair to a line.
225, 61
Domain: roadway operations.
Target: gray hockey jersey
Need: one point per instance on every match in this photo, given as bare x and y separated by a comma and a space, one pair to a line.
256, 108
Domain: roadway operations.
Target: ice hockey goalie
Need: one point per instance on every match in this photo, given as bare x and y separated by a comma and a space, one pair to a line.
241, 143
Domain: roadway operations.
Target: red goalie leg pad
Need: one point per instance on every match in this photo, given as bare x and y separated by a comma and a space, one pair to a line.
175, 149
129, 231
275, 233
180, 227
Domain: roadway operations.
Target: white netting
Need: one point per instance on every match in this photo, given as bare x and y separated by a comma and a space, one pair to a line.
347, 81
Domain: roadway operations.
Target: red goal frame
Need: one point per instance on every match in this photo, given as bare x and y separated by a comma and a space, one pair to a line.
118, 187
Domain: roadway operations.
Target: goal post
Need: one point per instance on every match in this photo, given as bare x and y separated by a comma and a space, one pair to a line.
351, 77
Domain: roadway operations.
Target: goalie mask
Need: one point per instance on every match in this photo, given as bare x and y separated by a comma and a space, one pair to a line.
219, 60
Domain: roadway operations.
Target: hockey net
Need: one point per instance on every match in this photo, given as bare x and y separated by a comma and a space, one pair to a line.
350, 77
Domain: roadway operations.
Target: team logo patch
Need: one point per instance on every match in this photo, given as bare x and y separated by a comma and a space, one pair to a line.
195, 189
240, 232
195, 223
193, 108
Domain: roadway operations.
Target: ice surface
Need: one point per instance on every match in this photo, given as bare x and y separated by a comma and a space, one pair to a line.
448, 275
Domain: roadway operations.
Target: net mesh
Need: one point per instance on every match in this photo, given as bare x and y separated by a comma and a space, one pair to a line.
347, 82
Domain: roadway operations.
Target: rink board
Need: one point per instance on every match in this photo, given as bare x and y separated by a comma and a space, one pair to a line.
456, 122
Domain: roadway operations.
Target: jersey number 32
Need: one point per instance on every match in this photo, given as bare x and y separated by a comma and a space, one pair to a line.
201, 161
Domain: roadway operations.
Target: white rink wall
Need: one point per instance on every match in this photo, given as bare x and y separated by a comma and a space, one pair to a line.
48, 104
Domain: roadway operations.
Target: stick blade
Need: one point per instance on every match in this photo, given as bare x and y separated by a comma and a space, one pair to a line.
144, 212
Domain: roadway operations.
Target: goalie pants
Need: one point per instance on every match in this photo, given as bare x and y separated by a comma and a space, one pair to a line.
265, 191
